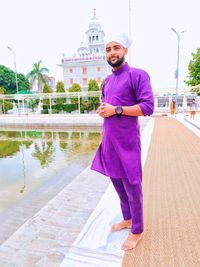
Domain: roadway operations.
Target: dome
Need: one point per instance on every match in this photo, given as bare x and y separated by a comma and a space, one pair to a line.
94, 23
83, 49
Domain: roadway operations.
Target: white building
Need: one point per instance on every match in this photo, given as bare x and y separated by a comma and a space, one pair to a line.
89, 61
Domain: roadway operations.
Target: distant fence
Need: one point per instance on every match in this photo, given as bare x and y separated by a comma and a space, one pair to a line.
162, 103
50, 95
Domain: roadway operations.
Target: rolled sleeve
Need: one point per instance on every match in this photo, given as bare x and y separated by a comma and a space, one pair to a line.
144, 94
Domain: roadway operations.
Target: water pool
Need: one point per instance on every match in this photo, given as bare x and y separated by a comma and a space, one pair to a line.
30, 158
35, 166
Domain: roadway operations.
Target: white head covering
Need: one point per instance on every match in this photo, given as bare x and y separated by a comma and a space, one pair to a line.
123, 39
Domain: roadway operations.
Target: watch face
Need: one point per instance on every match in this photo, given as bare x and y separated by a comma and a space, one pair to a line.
119, 110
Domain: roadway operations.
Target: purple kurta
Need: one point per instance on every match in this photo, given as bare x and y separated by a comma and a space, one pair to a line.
119, 154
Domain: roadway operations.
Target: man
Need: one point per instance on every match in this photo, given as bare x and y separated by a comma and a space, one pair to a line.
193, 107
172, 107
127, 94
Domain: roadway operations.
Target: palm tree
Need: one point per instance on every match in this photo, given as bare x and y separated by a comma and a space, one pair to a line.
36, 75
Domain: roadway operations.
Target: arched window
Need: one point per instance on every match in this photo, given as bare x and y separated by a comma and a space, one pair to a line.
97, 37
84, 70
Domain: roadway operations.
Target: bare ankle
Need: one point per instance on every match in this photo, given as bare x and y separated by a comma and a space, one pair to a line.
125, 224
132, 241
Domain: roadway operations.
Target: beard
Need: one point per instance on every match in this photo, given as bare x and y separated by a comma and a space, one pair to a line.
118, 63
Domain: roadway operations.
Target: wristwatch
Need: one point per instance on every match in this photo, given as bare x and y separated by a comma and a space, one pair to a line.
118, 111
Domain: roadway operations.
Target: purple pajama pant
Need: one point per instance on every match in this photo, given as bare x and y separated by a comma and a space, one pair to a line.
131, 201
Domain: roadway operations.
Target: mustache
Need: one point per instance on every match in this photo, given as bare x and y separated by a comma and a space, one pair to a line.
118, 63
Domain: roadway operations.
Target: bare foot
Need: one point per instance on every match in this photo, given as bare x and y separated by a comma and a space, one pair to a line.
122, 225
132, 241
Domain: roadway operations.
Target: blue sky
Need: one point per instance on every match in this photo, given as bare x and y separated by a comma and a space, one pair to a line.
42, 29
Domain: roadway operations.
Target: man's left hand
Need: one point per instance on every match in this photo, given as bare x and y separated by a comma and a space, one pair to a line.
106, 110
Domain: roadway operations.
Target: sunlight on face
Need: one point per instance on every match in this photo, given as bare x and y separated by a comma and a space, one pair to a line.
115, 54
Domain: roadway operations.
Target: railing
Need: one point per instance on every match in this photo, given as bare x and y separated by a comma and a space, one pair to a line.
50, 95
86, 58
161, 103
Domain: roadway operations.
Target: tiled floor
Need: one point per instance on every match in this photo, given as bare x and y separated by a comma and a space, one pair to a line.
45, 238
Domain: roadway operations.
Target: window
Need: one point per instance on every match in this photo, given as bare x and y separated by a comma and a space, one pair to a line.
98, 79
97, 37
98, 68
84, 81
71, 81
70, 70
84, 70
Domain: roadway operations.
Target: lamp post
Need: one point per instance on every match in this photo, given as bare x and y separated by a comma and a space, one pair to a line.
16, 80
177, 69
130, 30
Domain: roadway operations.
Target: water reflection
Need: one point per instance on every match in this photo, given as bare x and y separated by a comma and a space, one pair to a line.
43, 151
29, 159
24, 172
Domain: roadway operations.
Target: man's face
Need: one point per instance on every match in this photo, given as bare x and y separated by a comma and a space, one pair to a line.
115, 54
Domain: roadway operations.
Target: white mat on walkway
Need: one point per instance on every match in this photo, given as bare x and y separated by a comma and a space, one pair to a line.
96, 246
189, 123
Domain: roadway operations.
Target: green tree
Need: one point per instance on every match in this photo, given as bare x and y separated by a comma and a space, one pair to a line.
8, 81
32, 103
2, 90
60, 89
36, 75
23, 82
4, 105
46, 90
93, 86
194, 70
75, 88
7, 105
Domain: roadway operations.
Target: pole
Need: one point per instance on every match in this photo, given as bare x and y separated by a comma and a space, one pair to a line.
177, 69
50, 104
16, 80
79, 104
130, 30
177, 75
